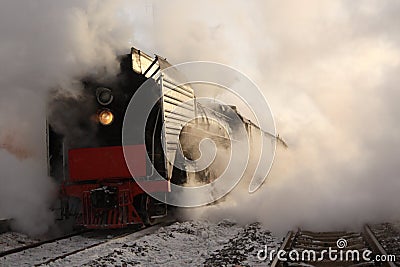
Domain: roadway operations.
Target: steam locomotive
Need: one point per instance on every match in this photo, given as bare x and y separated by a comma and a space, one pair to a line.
85, 146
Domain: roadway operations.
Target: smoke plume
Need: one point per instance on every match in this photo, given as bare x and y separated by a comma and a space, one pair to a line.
328, 68
46, 45
330, 72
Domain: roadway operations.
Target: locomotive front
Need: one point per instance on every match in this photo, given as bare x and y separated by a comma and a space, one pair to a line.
85, 151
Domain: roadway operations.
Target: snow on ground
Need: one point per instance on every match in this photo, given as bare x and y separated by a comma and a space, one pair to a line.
191, 243
47, 251
388, 235
12, 240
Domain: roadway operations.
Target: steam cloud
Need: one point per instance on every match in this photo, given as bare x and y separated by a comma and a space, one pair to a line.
46, 45
328, 68
330, 72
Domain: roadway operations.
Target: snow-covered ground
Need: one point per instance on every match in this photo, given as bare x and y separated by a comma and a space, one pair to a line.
190, 243
12, 240
37, 255
388, 235
185, 244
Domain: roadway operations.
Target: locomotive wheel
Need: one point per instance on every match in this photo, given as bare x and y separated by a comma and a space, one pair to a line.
146, 208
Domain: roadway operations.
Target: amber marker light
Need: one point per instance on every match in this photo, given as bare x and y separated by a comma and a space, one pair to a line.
106, 117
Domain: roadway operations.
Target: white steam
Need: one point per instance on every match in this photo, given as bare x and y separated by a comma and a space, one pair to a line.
45, 45
330, 72
328, 68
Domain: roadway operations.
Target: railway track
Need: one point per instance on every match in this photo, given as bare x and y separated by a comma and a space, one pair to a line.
49, 251
306, 248
388, 235
39, 243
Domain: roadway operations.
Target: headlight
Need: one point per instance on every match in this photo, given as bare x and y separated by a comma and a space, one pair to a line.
106, 117
104, 96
